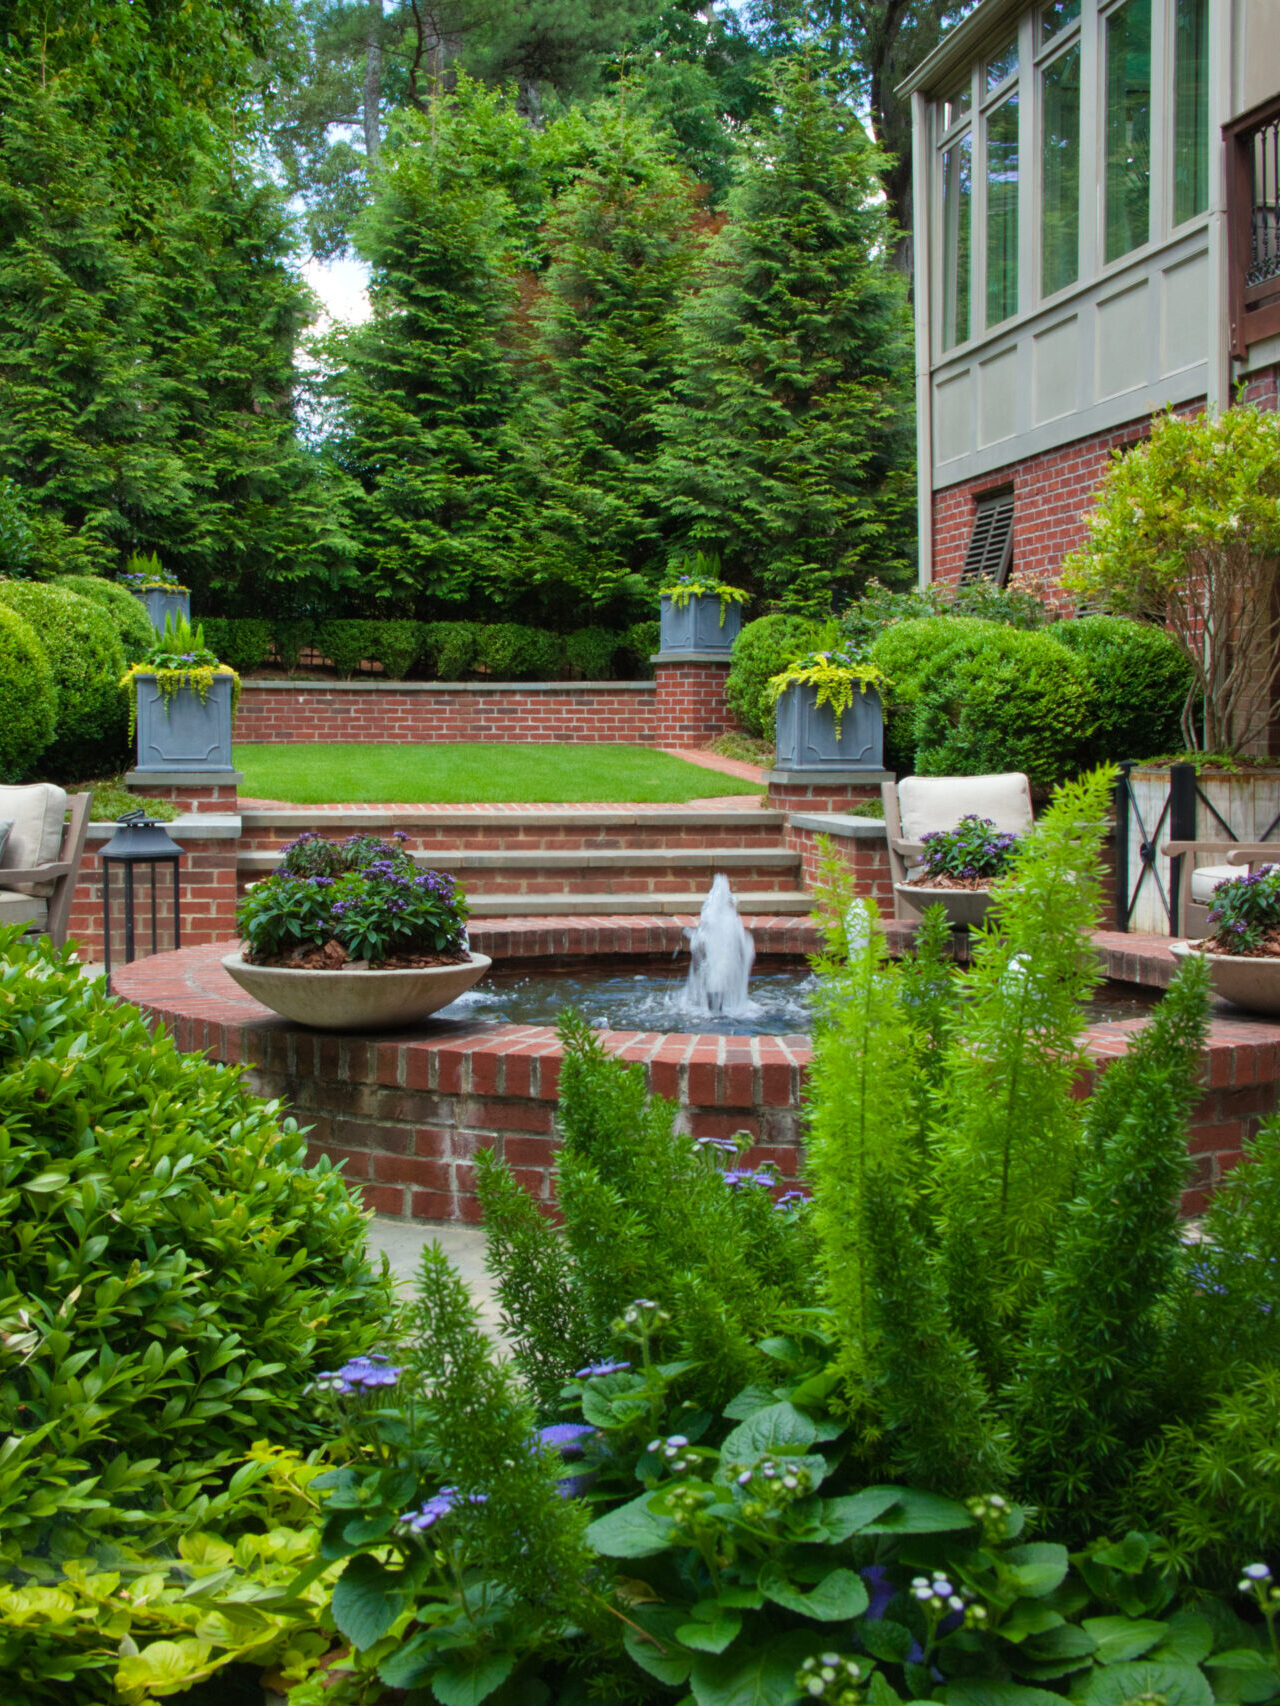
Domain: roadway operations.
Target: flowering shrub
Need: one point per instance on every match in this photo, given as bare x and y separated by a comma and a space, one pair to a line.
144, 574
1245, 909
365, 894
974, 848
834, 674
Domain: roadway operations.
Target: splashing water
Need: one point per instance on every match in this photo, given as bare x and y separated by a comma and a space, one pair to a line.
721, 953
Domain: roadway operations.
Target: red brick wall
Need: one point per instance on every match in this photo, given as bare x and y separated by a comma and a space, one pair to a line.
865, 857
691, 704
1051, 494
206, 895
323, 711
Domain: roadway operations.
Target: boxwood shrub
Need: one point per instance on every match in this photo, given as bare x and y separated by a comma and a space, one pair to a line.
449, 648
127, 613
348, 643
87, 659
907, 652
1009, 700
1141, 677
510, 651
28, 698
763, 649
242, 641
292, 636
589, 653
172, 1276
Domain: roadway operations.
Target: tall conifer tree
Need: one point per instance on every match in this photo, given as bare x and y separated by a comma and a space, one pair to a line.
789, 442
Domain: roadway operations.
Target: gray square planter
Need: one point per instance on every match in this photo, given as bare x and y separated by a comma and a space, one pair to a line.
807, 738
158, 605
184, 733
695, 626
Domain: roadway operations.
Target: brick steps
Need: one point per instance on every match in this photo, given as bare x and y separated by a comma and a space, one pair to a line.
564, 829
775, 904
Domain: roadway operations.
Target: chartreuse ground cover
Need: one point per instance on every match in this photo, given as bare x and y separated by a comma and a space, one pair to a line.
966, 1421
475, 772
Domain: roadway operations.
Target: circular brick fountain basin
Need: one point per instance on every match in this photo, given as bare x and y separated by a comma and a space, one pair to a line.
406, 1112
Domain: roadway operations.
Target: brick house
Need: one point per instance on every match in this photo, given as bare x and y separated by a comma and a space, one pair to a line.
1097, 236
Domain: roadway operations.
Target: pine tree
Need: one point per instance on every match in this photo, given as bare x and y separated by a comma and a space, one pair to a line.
425, 387
621, 246
788, 444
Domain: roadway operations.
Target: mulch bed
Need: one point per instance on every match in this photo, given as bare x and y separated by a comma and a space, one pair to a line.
333, 957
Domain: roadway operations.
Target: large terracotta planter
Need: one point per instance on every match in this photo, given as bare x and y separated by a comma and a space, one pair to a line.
355, 1000
966, 907
1238, 978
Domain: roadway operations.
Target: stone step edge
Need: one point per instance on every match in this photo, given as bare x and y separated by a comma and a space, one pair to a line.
539, 859
379, 817
628, 905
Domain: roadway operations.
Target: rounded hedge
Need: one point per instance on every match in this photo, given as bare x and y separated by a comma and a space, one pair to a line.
762, 650
87, 659
127, 613
1013, 700
589, 652
244, 642
185, 1274
509, 651
1141, 677
28, 698
908, 653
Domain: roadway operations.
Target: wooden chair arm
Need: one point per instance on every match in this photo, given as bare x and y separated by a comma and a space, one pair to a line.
1255, 853
14, 877
908, 849
1172, 849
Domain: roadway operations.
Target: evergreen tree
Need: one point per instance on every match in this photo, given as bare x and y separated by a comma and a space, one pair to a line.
788, 444
426, 389
621, 246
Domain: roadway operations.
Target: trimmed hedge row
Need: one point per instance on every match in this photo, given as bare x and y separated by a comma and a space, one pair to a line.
970, 695
501, 651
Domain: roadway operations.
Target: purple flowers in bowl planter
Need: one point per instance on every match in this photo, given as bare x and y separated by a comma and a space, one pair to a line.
975, 851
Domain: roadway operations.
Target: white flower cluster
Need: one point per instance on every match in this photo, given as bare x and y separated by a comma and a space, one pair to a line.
1256, 1579
832, 1677
672, 1449
771, 1484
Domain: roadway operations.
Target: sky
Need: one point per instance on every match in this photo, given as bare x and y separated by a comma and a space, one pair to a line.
341, 286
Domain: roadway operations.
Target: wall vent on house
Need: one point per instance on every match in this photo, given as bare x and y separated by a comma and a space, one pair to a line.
990, 553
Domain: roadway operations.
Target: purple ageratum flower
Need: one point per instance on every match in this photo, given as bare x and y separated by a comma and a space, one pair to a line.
597, 1370
361, 1374
721, 1145
438, 1506
738, 1178
575, 1486
791, 1199
568, 1438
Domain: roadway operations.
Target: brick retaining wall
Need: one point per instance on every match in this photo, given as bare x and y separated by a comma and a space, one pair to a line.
407, 1114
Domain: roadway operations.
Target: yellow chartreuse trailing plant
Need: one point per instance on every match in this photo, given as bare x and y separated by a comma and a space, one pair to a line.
178, 659
834, 674
699, 577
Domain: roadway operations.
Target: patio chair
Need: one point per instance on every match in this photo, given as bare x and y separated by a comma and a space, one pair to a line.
1195, 889
41, 857
917, 805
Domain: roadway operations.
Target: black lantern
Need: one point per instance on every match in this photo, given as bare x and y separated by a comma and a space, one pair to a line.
140, 840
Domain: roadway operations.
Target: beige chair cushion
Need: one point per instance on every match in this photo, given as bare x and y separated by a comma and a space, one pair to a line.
37, 813
16, 908
1205, 878
927, 803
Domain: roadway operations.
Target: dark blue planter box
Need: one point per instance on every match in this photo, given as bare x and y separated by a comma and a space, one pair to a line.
184, 733
695, 626
807, 738
175, 605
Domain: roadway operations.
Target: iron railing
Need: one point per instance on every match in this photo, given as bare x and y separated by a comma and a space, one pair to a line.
1253, 224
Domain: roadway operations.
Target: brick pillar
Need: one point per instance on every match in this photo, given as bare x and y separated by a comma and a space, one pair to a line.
822, 790
691, 705
210, 845
190, 790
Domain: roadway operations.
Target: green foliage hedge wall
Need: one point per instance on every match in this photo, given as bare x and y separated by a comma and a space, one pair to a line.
87, 658
28, 698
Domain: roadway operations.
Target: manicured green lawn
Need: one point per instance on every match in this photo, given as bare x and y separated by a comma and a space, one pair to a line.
313, 775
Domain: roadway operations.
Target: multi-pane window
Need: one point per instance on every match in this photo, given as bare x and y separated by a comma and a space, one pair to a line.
1060, 171
1127, 180
1190, 109
1002, 210
1026, 99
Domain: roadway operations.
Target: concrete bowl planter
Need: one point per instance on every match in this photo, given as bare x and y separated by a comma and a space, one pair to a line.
695, 625
182, 731
808, 739
1239, 978
161, 605
967, 907
355, 1000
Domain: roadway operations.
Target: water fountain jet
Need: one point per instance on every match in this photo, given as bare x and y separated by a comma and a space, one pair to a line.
721, 955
